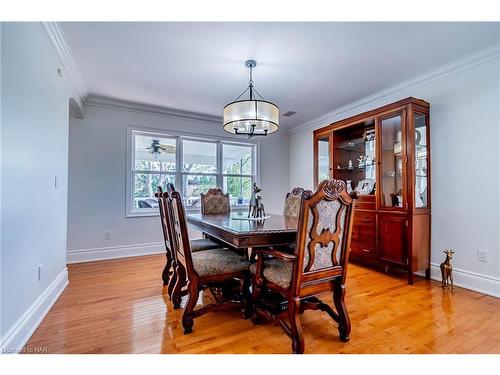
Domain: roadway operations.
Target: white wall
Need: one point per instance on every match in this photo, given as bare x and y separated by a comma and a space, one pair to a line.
465, 141
1, 329
34, 148
97, 178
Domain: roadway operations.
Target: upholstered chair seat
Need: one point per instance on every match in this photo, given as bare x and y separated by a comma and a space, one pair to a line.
276, 271
203, 244
218, 261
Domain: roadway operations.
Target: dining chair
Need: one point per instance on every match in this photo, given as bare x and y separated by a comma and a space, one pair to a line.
168, 275
215, 202
292, 202
204, 269
291, 210
318, 264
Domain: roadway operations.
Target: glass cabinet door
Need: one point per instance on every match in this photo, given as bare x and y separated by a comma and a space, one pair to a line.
391, 161
421, 160
323, 161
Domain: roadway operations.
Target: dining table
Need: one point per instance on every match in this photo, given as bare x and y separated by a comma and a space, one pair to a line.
238, 231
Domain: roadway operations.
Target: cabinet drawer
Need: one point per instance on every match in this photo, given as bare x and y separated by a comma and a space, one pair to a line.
366, 202
363, 239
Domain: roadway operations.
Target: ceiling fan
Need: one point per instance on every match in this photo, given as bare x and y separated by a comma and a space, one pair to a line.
156, 148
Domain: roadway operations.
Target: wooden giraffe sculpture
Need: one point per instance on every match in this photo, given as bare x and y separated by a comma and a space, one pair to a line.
446, 271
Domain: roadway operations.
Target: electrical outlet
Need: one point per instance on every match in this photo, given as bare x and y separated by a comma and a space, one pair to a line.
482, 255
107, 235
40, 272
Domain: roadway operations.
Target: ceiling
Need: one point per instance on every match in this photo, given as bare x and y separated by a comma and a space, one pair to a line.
310, 68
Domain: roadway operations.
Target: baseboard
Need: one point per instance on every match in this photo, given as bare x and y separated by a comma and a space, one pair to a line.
114, 252
18, 335
470, 280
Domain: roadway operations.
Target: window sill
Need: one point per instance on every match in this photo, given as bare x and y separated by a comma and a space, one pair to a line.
149, 213
144, 213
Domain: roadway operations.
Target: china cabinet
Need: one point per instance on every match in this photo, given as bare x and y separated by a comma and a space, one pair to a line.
385, 155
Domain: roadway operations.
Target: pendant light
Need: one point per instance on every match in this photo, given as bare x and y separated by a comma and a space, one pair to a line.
251, 117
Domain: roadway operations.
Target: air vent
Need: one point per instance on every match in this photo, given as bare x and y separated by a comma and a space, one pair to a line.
289, 114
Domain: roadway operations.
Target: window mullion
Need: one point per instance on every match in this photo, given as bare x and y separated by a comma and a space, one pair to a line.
219, 165
179, 181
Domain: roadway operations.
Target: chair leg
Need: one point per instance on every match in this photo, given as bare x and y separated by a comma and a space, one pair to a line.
256, 292
246, 303
165, 275
173, 280
187, 316
345, 322
179, 283
410, 277
295, 325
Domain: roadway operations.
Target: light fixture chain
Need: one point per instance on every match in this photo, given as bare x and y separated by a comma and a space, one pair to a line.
250, 84
254, 89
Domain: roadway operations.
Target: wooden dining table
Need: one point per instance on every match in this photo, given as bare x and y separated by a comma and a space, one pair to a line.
237, 231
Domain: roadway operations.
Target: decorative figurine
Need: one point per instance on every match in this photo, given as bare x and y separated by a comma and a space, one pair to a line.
338, 166
369, 135
365, 187
361, 161
350, 165
348, 185
369, 160
256, 208
446, 271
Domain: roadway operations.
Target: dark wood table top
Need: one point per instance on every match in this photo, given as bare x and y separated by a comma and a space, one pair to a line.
275, 230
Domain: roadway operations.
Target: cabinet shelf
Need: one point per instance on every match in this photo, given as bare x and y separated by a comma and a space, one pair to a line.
361, 152
354, 169
389, 176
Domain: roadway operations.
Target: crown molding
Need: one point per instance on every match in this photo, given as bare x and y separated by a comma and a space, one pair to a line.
394, 91
106, 102
149, 109
63, 50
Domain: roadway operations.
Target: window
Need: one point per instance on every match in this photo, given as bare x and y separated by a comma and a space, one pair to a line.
199, 170
193, 165
151, 171
237, 167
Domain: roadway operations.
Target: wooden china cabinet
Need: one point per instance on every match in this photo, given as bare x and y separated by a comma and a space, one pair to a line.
385, 155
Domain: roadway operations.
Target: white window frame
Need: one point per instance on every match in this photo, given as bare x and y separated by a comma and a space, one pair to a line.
131, 211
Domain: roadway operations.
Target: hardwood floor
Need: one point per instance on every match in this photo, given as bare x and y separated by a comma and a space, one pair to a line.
117, 306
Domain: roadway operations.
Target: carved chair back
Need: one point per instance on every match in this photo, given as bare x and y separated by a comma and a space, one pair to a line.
323, 237
292, 202
181, 245
215, 202
165, 215
165, 222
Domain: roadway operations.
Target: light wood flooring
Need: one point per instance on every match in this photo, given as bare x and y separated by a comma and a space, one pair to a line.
120, 306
